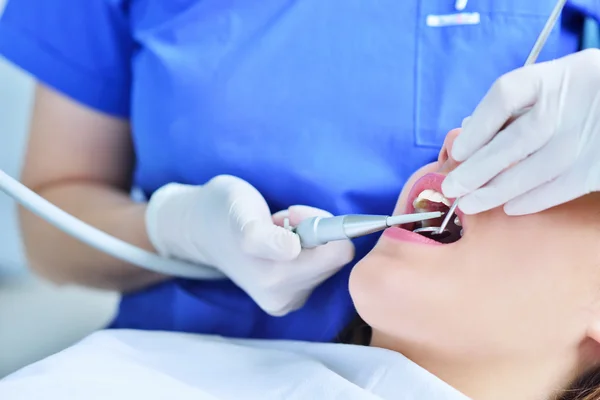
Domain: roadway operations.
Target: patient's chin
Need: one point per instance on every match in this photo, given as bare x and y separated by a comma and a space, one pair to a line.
366, 283
358, 285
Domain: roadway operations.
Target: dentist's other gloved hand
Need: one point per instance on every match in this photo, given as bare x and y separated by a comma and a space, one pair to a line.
534, 140
226, 223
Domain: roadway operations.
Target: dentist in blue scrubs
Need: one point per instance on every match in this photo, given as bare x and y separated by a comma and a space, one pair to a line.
229, 116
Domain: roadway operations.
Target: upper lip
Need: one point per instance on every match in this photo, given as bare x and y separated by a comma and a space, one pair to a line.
431, 181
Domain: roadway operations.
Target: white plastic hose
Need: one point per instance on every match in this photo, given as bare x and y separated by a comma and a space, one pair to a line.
101, 240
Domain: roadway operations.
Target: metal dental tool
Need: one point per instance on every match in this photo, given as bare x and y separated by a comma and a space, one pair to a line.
446, 220
318, 231
533, 55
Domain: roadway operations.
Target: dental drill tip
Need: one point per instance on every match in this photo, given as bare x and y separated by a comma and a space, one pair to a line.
410, 218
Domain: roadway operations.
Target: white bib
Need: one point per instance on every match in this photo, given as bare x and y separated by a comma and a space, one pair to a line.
128, 365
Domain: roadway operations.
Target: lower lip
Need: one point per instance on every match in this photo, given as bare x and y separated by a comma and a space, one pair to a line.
403, 235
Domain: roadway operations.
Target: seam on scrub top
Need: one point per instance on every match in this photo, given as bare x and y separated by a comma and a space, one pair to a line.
416, 107
58, 56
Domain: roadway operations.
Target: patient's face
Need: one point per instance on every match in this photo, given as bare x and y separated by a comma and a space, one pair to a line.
509, 284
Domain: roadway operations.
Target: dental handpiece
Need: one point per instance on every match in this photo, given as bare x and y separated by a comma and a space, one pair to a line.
317, 231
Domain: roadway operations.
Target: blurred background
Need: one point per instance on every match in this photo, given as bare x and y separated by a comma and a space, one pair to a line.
36, 318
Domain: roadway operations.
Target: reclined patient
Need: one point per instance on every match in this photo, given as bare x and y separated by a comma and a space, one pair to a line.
509, 309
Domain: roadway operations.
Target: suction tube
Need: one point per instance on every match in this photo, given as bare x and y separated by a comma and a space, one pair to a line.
101, 240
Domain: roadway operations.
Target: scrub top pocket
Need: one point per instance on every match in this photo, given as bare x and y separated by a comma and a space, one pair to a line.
457, 62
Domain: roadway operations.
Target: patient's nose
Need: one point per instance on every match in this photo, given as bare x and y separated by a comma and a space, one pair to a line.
446, 162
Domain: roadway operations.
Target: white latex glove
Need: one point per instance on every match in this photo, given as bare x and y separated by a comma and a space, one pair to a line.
538, 158
226, 223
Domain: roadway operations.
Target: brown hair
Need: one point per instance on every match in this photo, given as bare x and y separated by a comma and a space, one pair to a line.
357, 332
585, 387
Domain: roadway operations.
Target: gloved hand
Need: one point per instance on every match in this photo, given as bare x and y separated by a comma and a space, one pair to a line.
226, 223
534, 140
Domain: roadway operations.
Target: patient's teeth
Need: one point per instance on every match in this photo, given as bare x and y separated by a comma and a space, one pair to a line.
457, 221
419, 204
431, 195
427, 223
461, 233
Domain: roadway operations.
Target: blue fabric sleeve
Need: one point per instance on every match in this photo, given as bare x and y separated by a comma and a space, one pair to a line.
81, 48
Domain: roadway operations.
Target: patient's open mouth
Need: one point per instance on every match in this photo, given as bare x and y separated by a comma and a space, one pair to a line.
426, 196
431, 200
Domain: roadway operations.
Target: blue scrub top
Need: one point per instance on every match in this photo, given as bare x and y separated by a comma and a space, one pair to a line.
331, 103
